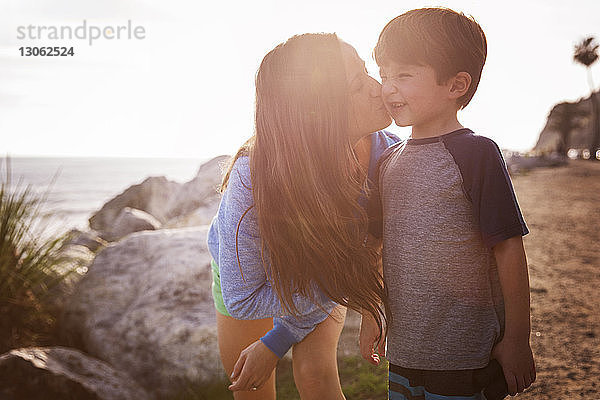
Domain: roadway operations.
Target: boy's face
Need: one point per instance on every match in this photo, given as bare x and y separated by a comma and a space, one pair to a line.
412, 95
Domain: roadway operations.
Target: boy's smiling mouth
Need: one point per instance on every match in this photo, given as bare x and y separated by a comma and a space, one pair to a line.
397, 105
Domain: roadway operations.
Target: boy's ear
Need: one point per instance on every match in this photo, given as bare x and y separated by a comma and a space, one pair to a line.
459, 84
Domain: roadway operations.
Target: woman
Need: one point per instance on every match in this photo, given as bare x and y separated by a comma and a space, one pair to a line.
288, 239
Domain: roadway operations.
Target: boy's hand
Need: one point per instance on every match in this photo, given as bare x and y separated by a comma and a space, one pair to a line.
253, 367
517, 363
369, 333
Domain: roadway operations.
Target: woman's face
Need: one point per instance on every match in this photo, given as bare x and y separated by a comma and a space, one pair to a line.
367, 111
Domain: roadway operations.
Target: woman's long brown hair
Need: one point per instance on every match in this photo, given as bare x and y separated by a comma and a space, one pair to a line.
306, 179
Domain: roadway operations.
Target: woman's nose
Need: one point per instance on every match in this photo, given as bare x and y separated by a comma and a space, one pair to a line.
375, 87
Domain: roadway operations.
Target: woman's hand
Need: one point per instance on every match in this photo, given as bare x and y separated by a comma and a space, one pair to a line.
253, 367
369, 333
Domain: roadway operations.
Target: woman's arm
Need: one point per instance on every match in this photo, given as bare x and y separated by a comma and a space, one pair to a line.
257, 361
247, 293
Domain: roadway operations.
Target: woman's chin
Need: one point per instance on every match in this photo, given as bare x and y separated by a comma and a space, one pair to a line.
385, 122
366, 130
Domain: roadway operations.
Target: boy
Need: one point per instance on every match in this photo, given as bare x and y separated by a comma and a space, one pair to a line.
453, 255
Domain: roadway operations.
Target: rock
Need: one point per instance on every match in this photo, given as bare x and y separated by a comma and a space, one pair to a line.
89, 239
202, 190
199, 217
38, 373
145, 306
518, 163
572, 120
198, 206
128, 221
73, 256
73, 262
164, 199
151, 196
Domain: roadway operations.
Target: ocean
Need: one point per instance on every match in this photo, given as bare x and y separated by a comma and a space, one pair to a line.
83, 185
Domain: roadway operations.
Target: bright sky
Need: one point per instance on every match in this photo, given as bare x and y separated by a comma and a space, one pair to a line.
187, 89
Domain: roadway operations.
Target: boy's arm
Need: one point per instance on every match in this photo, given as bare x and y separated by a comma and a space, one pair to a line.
487, 185
513, 352
372, 347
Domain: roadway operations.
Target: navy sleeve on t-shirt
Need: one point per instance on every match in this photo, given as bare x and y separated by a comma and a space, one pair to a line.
488, 186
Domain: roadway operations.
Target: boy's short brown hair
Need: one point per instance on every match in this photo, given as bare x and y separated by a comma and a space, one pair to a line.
448, 41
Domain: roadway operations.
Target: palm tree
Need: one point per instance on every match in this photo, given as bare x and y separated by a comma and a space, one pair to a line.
586, 53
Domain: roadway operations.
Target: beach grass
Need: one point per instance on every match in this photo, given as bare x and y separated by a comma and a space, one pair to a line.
30, 268
360, 380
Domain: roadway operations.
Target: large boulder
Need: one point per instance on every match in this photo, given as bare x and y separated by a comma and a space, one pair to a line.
72, 263
202, 190
152, 196
145, 306
130, 220
164, 199
197, 205
90, 239
199, 217
62, 373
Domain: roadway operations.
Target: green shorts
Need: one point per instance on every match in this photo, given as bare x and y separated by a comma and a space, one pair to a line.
216, 289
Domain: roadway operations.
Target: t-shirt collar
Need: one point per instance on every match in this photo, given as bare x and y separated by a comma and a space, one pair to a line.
440, 138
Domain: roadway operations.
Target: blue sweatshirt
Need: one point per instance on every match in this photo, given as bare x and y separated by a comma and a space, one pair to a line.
247, 293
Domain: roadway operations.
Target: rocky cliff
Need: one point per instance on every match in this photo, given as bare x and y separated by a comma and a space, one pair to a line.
569, 126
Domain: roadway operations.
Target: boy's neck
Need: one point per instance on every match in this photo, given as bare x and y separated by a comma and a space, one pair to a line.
436, 127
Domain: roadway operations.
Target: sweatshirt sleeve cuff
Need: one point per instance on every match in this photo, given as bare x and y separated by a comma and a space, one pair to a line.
279, 339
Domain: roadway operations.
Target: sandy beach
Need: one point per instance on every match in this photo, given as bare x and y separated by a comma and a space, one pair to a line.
562, 209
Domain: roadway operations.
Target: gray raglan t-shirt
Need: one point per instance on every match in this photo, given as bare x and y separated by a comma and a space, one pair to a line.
441, 204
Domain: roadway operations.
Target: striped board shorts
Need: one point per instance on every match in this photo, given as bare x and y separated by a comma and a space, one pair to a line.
400, 389
478, 384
